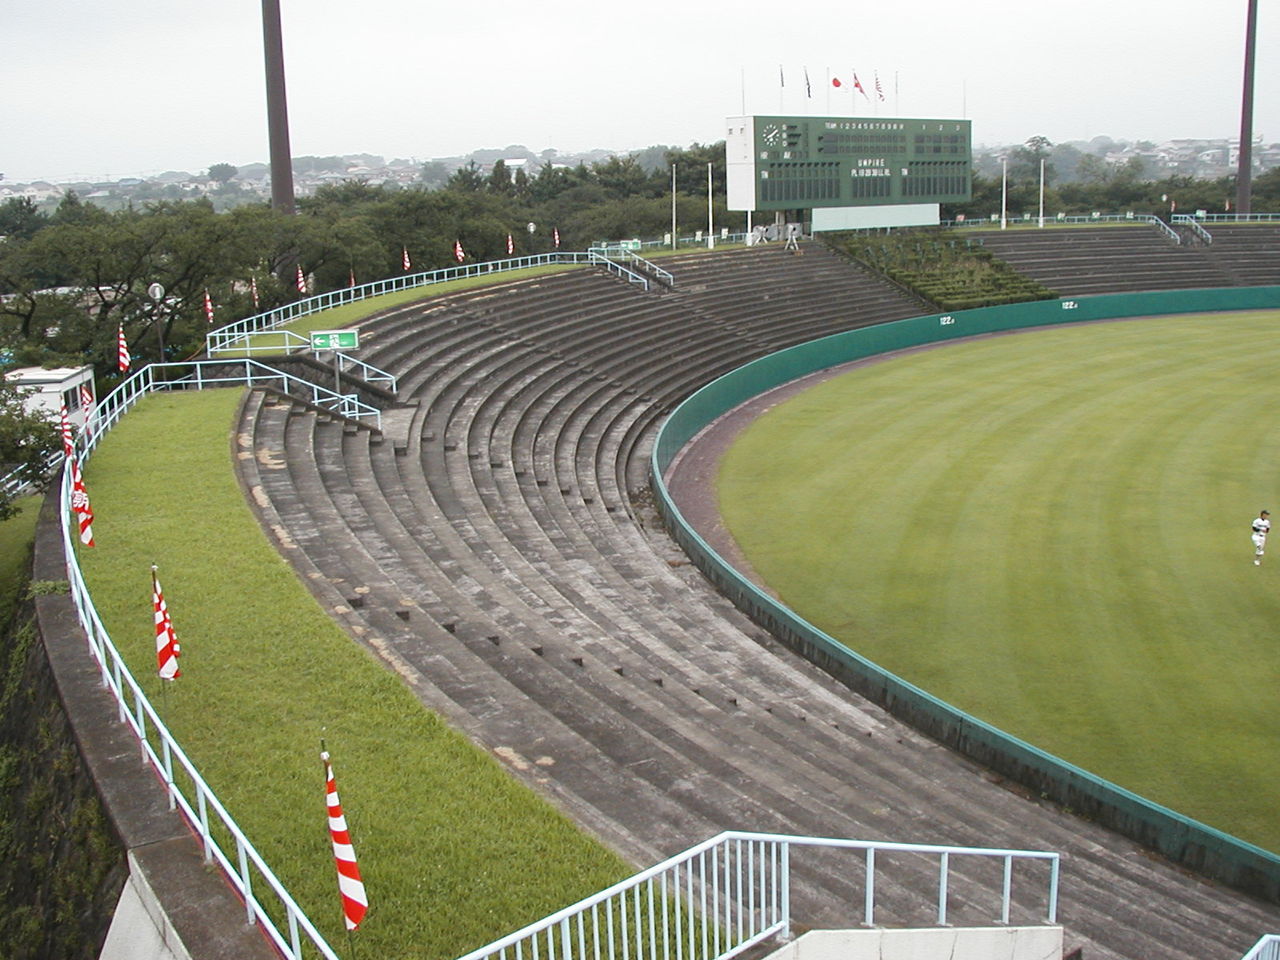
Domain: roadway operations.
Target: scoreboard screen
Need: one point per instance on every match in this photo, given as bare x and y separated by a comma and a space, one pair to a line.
789, 163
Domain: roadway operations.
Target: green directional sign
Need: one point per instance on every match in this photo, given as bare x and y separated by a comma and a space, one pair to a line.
335, 339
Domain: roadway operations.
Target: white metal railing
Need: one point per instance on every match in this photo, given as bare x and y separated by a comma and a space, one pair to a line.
723, 896
1183, 220
1167, 230
222, 839
198, 374
634, 261
16, 482
1267, 948
272, 319
613, 266
286, 341
1240, 217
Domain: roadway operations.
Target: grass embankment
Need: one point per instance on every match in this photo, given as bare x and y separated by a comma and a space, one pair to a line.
454, 852
16, 536
944, 268
1050, 531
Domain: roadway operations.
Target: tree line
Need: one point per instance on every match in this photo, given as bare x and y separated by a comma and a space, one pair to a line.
70, 278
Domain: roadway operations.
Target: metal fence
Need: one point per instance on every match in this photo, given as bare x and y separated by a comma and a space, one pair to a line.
1268, 948
226, 337
727, 894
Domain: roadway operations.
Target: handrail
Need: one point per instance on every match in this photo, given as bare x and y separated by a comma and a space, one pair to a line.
1168, 230
166, 755
273, 319
723, 896
258, 373
1240, 217
1183, 219
1267, 948
217, 343
613, 266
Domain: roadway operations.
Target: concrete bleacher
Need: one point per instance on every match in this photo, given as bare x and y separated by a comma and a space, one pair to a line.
1077, 261
1249, 253
494, 548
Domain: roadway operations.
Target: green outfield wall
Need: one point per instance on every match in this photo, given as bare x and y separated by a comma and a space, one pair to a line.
1210, 852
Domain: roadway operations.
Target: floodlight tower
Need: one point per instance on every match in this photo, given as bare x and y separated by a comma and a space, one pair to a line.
277, 109
1244, 173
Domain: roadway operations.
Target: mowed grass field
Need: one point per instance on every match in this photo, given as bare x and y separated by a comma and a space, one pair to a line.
1050, 530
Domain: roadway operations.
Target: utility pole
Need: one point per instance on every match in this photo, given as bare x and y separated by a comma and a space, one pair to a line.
277, 109
1244, 173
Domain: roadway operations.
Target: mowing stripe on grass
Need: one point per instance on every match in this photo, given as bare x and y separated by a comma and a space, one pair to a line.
1050, 531
454, 852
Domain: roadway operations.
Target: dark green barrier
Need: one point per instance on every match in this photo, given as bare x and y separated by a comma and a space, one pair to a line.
1183, 840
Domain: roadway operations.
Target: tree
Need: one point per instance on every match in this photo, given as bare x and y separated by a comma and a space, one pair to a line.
20, 217
434, 174
468, 178
222, 172
26, 440
499, 182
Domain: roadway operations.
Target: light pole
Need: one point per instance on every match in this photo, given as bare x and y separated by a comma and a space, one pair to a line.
156, 293
1004, 193
1244, 172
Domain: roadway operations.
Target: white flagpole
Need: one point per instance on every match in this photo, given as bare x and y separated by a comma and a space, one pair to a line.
673, 206
1042, 193
828, 91
711, 236
1004, 193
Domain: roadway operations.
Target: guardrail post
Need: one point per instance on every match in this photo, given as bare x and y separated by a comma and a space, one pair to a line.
869, 900
1053, 889
1008, 885
245, 879
784, 890
942, 889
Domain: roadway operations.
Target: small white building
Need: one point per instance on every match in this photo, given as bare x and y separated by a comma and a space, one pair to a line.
47, 390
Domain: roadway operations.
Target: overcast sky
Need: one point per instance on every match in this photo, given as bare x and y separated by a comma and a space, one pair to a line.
133, 87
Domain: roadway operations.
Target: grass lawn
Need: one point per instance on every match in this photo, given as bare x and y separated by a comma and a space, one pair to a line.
454, 852
16, 536
1050, 530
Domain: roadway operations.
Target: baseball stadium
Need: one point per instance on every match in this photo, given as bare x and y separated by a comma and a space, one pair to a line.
566, 538
779, 593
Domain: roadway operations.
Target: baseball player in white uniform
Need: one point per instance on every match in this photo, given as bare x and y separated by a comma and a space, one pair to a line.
1261, 527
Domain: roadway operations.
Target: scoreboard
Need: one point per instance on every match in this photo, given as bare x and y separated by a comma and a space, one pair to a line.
791, 163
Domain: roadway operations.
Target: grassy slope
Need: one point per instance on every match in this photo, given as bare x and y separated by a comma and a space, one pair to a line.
1050, 531
454, 852
16, 536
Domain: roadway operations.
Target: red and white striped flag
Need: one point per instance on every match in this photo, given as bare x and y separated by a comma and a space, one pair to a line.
68, 444
86, 404
167, 649
122, 350
404, 259
511, 245
555, 235
253, 289
350, 886
208, 307
80, 503
79, 496
301, 280
458, 253
879, 89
